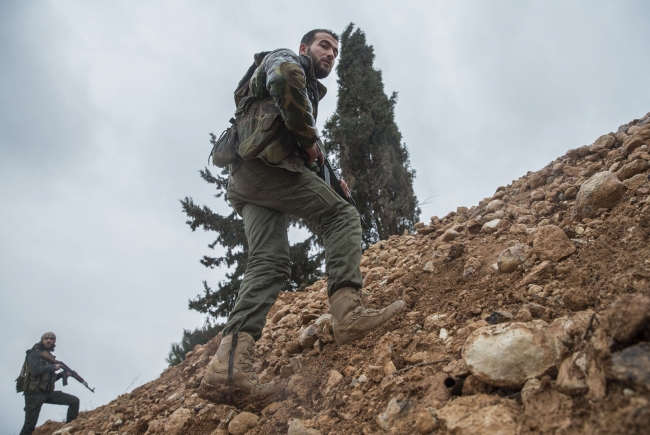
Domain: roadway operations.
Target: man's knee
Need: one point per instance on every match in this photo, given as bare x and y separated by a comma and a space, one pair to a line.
345, 218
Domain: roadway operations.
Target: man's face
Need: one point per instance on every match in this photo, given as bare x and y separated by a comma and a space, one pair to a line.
48, 342
323, 51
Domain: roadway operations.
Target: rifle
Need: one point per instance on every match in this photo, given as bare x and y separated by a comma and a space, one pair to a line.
46, 355
327, 173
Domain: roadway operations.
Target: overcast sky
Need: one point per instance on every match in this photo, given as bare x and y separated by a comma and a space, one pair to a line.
106, 108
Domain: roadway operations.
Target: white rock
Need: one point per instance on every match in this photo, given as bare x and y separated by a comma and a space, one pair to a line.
362, 379
509, 355
494, 206
490, 227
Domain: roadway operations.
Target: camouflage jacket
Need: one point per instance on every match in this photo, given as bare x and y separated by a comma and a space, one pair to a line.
41, 374
287, 82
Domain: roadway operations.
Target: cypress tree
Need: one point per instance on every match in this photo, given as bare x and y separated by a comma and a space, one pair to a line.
368, 144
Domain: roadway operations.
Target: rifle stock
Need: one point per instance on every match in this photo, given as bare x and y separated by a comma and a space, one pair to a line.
67, 370
327, 173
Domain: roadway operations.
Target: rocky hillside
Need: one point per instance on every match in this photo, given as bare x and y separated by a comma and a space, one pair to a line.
528, 313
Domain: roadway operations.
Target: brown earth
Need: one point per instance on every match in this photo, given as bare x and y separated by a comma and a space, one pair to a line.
394, 379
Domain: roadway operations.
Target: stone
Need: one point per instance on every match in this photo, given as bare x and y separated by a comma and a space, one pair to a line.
280, 314
242, 423
604, 142
479, 414
570, 193
602, 190
628, 316
177, 420
547, 411
333, 379
491, 226
632, 366
573, 154
395, 276
636, 181
435, 321
448, 235
471, 265
417, 357
428, 267
523, 315
456, 369
536, 310
644, 131
510, 258
631, 143
392, 413
425, 423
499, 317
286, 371
362, 379
297, 427
389, 367
631, 169
494, 205
572, 171
518, 229
572, 376
537, 273
550, 242
308, 337
473, 227
509, 355
375, 373
570, 330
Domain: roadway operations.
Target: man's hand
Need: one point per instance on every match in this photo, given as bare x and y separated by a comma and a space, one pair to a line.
344, 186
314, 152
57, 367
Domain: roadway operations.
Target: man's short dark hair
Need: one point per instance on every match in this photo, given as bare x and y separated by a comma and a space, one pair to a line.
311, 35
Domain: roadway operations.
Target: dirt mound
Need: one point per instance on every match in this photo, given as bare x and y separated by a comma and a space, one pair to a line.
528, 313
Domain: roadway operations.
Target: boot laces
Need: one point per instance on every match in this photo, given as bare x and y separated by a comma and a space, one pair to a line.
363, 310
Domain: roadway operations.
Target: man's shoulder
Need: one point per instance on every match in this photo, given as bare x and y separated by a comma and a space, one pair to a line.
282, 54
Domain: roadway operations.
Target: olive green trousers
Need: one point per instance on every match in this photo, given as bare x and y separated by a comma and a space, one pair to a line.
264, 195
35, 400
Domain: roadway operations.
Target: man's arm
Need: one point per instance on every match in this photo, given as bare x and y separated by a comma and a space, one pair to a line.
38, 365
285, 82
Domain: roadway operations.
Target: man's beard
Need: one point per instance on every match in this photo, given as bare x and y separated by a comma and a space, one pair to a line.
49, 349
319, 72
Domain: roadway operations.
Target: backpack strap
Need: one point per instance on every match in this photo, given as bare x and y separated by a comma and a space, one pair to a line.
242, 87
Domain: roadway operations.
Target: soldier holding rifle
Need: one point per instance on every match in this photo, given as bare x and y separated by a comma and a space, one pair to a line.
37, 382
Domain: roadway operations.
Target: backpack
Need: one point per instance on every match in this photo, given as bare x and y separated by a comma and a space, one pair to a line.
21, 380
252, 128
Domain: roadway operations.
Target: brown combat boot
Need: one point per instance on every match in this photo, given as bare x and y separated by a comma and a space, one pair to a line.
350, 320
231, 379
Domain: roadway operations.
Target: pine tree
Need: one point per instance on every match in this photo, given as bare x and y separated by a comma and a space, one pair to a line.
368, 145
190, 339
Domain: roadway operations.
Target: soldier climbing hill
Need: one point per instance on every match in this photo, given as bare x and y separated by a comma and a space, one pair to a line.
37, 382
277, 105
